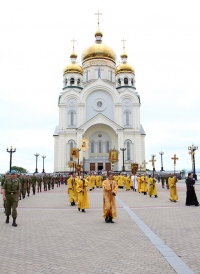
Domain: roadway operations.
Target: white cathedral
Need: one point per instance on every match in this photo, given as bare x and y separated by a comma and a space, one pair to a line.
99, 102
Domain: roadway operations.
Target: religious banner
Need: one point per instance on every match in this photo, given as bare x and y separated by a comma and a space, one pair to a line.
113, 155
74, 153
134, 168
84, 144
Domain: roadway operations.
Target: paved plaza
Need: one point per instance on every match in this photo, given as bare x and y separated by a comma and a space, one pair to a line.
151, 235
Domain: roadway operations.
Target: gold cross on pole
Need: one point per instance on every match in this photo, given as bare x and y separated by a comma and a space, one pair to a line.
98, 18
144, 164
175, 159
152, 160
123, 40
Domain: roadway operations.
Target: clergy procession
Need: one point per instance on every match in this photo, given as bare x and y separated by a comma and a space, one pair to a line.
79, 185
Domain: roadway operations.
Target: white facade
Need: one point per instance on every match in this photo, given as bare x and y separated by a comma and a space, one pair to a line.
99, 102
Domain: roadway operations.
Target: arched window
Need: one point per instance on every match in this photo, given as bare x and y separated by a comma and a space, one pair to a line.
78, 82
107, 146
71, 145
100, 147
71, 81
132, 81
119, 82
72, 118
125, 81
127, 117
66, 82
99, 73
92, 147
128, 151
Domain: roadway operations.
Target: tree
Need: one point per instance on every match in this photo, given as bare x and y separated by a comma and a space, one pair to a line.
19, 169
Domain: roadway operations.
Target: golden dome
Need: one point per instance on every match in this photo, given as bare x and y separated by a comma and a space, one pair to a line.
73, 68
73, 55
124, 55
98, 33
98, 51
124, 68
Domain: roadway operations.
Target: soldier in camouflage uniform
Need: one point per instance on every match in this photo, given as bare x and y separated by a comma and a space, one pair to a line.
33, 183
39, 184
28, 184
45, 182
11, 193
23, 186
7, 175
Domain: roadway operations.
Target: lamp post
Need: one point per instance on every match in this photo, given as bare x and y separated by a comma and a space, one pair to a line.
192, 149
161, 154
36, 155
11, 151
43, 157
123, 149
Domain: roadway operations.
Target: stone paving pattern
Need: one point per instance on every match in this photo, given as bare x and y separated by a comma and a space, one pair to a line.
54, 237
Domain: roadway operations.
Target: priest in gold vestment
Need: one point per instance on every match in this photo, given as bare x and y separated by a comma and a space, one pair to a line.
109, 192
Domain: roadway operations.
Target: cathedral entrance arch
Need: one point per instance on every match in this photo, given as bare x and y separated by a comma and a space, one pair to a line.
101, 138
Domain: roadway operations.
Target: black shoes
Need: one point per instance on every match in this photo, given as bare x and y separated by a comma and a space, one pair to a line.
14, 222
83, 210
7, 220
109, 219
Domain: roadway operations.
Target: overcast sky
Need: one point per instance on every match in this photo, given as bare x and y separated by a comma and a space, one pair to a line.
163, 45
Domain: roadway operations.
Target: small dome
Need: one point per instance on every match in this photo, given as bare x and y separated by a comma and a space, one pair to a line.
98, 33
73, 55
98, 51
124, 68
73, 68
124, 55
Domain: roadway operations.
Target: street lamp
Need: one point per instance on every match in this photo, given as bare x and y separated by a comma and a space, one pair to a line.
11, 151
36, 155
161, 154
192, 149
43, 157
123, 167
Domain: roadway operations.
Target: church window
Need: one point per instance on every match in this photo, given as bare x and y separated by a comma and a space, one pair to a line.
128, 151
72, 118
71, 145
107, 146
127, 117
99, 73
119, 82
92, 147
100, 147
125, 81
132, 81
87, 75
78, 82
71, 81
66, 81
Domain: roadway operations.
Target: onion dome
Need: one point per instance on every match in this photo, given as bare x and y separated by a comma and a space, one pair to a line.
98, 50
124, 67
73, 67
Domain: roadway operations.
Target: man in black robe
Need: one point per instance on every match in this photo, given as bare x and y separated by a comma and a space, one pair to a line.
191, 198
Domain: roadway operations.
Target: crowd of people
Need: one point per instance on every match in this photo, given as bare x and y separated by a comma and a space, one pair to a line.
14, 188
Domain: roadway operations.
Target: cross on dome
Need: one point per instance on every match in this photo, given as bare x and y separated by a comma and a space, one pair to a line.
98, 18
